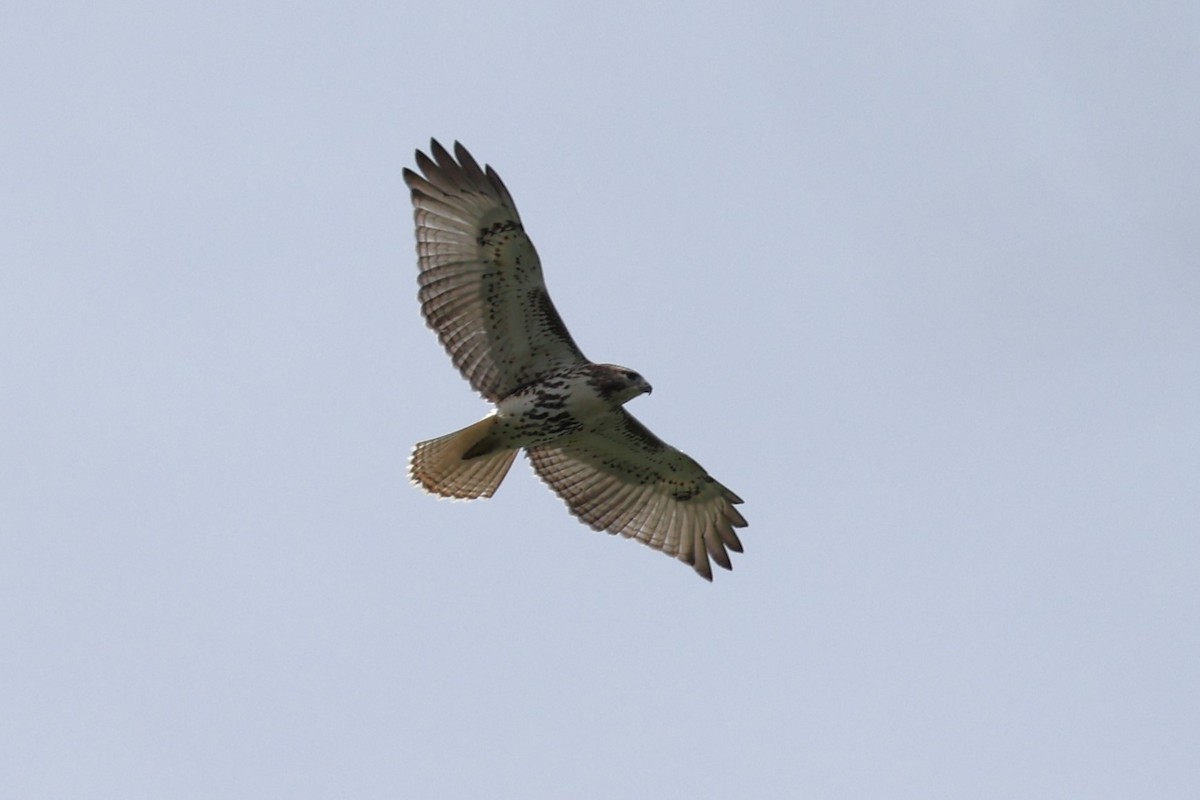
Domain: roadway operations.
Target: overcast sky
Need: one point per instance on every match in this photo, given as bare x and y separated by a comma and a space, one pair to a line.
920, 282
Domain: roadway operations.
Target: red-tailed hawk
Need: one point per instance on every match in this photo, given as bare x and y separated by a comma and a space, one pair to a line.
482, 292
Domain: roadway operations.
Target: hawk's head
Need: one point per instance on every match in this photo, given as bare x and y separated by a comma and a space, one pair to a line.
619, 384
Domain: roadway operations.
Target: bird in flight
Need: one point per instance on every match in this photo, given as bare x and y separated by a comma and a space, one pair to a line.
482, 292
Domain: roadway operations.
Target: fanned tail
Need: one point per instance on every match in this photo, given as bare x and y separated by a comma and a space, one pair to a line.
440, 467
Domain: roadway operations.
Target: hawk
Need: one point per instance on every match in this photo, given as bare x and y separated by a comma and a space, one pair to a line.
482, 292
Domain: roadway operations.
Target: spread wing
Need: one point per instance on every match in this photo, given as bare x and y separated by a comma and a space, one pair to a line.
621, 478
482, 289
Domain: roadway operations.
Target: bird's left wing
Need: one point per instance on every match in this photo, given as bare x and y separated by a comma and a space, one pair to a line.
482, 289
621, 478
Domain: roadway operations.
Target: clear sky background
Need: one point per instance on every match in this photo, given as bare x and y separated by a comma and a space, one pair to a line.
921, 282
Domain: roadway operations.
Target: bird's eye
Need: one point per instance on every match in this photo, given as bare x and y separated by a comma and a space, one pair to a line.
631, 375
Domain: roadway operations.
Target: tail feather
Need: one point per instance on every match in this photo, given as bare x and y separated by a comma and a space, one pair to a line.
439, 465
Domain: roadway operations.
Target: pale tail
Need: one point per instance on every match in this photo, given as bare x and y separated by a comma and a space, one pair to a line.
439, 467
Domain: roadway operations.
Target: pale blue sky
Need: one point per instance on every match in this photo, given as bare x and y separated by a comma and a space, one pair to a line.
920, 282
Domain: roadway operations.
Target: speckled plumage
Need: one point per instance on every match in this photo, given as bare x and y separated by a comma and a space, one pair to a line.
482, 292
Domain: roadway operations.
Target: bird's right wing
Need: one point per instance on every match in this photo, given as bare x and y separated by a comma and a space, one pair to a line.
482, 289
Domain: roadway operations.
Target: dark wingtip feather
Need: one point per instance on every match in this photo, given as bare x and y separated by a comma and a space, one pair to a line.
440, 154
412, 179
425, 163
731, 540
